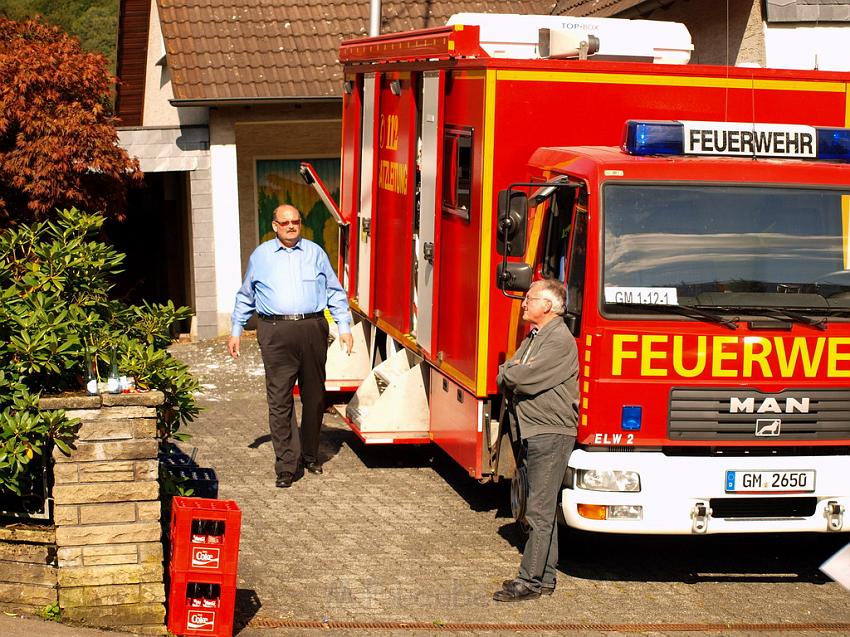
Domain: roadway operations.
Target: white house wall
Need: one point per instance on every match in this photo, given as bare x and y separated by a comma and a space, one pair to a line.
800, 47
225, 208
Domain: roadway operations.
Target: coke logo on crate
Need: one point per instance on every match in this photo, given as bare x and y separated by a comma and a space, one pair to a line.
205, 557
201, 620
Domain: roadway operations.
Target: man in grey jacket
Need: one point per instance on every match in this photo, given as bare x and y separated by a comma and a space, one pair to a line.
540, 384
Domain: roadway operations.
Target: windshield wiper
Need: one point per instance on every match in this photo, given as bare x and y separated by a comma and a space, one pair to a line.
772, 304
778, 312
775, 305
684, 310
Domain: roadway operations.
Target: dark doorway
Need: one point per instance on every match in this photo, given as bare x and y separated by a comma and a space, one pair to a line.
156, 239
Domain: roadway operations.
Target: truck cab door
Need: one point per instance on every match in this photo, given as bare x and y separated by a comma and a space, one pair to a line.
576, 262
564, 248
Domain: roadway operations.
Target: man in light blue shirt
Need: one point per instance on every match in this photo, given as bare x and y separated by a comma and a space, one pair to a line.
290, 283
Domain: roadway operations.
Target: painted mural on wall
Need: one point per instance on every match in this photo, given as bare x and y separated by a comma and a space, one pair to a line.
279, 182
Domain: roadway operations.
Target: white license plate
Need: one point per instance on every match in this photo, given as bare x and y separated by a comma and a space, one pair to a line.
770, 481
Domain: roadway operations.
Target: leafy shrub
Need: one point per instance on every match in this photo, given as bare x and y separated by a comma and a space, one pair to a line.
52, 612
55, 307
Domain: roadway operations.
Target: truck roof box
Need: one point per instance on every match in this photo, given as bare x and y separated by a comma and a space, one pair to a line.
509, 35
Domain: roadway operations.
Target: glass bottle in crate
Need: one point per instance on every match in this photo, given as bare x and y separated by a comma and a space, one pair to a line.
194, 595
211, 596
215, 532
199, 531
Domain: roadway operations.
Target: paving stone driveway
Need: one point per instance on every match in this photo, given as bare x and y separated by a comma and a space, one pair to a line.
401, 534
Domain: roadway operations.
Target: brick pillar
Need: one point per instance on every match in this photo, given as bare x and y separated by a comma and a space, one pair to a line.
107, 510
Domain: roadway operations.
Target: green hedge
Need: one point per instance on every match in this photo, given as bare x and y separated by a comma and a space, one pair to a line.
55, 279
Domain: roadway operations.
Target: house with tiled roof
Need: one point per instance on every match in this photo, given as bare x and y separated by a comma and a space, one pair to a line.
221, 99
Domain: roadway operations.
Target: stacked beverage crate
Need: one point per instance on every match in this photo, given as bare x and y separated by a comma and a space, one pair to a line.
202, 569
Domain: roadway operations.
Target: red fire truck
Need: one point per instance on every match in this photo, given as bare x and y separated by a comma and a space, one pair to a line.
699, 216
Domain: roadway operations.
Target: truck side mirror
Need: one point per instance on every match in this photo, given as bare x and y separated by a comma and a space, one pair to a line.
513, 276
513, 217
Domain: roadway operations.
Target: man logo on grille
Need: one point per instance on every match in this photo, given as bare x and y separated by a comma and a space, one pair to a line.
770, 405
768, 426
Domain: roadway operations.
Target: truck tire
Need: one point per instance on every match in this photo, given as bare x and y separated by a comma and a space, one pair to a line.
519, 496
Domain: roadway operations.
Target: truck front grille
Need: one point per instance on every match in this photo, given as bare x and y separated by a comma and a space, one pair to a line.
707, 414
762, 507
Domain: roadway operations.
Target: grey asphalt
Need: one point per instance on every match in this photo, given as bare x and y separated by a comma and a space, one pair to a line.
390, 536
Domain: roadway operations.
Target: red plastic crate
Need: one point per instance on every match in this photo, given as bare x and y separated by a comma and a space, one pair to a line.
192, 552
193, 614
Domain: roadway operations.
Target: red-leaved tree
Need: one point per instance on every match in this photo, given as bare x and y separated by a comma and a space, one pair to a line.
58, 143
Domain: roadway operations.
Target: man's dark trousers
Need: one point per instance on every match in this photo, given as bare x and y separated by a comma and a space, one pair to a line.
546, 461
294, 350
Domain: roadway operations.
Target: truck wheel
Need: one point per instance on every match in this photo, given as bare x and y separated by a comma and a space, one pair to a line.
519, 496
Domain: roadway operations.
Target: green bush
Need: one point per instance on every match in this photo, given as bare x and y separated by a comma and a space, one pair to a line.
55, 307
52, 612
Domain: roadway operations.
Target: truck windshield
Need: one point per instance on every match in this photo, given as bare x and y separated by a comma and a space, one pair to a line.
726, 247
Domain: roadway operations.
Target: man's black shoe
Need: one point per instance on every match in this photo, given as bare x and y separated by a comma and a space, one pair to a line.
284, 480
544, 590
313, 467
515, 591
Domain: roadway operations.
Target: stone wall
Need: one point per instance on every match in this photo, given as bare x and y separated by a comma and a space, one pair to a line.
107, 511
27, 568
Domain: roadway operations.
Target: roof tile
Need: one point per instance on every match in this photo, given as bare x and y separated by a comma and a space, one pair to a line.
593, 8
219, 49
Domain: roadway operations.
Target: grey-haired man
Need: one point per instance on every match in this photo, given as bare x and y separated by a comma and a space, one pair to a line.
540, 383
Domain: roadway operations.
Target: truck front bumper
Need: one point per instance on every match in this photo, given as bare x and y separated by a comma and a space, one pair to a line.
687, 495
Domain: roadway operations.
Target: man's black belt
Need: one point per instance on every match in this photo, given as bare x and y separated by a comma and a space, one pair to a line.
290, 317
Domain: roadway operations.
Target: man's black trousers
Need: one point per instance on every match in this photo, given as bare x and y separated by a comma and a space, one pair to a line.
294, 350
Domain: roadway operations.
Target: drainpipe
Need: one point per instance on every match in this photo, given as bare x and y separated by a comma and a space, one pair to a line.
374, 17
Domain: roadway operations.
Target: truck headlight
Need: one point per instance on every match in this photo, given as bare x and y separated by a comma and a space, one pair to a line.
600, 480
610, 511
